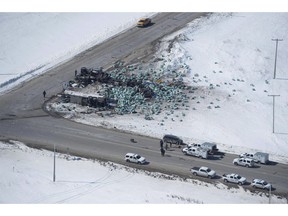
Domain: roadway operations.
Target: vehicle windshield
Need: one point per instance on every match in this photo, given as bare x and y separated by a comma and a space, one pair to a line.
138, 156
208, 170
238, 177
264, 182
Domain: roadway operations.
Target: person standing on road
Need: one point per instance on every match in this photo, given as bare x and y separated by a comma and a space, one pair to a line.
166, 146
162, 151
44, 93
161, 143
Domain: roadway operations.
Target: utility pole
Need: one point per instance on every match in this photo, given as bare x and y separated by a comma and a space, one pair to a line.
54, 167
274, 109
270, 194
276, 55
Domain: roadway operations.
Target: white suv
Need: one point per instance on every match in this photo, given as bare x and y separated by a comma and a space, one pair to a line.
259, 183
135, 158
247, 162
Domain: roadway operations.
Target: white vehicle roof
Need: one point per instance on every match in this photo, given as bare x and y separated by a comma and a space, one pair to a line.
233, 174
246, 158
259, 180
131, 154
243, 154
203, 167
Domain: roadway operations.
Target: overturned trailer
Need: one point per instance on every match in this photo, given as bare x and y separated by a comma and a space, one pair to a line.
91, 100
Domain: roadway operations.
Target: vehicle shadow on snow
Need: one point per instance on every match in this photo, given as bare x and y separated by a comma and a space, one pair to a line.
261, 190
169, 149
256, 166
271, 163
215, 157
217, 177
167, 155
148, 25
220, 153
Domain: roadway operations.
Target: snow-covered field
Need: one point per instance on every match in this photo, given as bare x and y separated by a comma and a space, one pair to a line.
46, 39
238, 61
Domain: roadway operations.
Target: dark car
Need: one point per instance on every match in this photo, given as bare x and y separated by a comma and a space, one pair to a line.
172, 139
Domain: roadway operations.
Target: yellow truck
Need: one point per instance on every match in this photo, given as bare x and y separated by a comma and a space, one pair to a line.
143, 22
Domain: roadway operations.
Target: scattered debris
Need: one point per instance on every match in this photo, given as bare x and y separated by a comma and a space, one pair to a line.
126, 89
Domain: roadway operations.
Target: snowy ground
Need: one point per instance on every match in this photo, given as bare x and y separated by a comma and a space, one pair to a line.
233, 74
46, 39
242, 123
27, 177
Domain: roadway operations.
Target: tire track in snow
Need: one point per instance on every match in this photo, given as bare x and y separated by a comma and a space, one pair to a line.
72, 190
96, 187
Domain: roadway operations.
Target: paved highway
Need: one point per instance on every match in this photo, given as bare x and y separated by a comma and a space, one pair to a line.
22, 117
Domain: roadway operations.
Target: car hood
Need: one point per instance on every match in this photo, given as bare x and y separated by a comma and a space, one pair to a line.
268, 186
185, 149
212, 172
142, 159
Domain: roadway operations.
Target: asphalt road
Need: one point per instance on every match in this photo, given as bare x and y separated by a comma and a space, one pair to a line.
22, 117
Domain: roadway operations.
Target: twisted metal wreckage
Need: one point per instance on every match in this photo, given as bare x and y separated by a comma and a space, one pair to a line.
128, 89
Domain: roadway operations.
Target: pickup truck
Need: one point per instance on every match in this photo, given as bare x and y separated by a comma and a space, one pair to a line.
234, 178
203, 171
